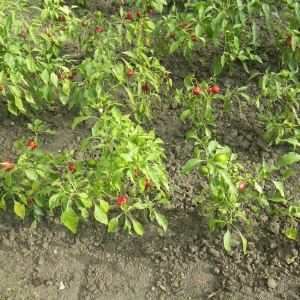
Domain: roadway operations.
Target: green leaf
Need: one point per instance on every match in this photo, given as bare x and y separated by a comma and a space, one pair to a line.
116, 114
19, 103
227, 104
245, 67
28, 96
190, 165
244, 242
9, 59
66, 88
175, 46
19, 209
8, 24
105, 205
12, 108
198, 30
266, 9
37, 211
287, 173
79, 119
33, 226
45, 76
212, 146
227, 240
32, 34
216, 22
86, 200
276, 198
8, 178
150, 24
185, 114
161, 220
31, 174
258, 187
231, 186
236, 42
127, 226
191, 135
293, 141
254, 34
44, 14
113, 224
280, 187
291, 233
2, 204
289, 159
54, 79
100, 215
297, 9
218, 68
69, 219
139, 205
138, 228
85, 144
199, 199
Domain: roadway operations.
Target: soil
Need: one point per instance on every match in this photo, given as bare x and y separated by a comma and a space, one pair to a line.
187, 262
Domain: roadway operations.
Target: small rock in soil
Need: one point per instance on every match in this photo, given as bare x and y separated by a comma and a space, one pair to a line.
272, 283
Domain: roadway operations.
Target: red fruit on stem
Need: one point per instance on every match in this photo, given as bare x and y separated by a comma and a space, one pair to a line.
31, 200
49, 34
63, 18
85, 23
186, 26
194, 38
148, 183
149, 11
52, 42
32, 75
216, 89
139, 14
1, 88
62, 77
129, 73
288, 41
172, 35
209, 90
44, 31
32, 144
129, 16
98, 29
72, 168
71, 76
145, 87
121, 200
197, 90
241, 186
8, 75
7, 165
63, 28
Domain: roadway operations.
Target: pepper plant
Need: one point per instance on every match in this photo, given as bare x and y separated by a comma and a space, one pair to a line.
280, 115
128, 165
231, 188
